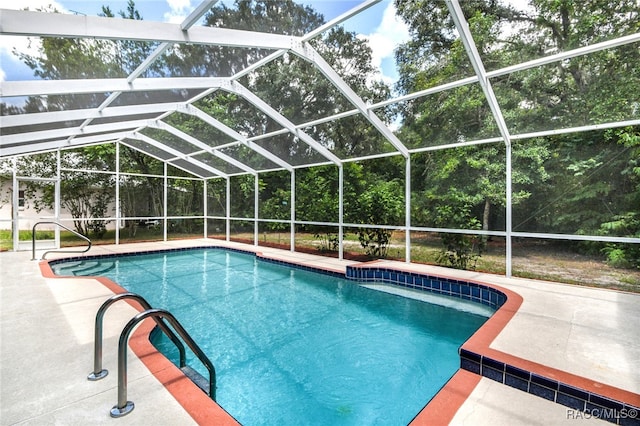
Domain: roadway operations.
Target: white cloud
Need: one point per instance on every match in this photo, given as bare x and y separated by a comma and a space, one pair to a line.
390, 33
179, 9
23, 44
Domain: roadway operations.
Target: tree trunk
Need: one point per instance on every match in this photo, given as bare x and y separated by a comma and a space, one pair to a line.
485, 216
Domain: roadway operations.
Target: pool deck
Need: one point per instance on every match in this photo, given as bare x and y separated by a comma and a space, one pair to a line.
583, 334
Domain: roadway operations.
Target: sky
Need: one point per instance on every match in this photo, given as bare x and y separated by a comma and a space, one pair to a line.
377, 24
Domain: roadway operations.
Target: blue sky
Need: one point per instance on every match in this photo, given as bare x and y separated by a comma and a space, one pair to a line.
377, 24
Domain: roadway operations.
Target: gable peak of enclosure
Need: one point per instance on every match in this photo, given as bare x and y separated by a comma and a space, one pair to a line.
483, 93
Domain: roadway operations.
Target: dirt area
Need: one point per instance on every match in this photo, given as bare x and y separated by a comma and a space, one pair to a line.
576, 269
539, 261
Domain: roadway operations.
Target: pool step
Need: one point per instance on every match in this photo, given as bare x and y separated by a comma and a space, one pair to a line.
95, 269
197, 378
66, 268
84, 268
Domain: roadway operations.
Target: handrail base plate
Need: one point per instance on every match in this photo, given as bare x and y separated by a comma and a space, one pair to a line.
97, 376
119, 412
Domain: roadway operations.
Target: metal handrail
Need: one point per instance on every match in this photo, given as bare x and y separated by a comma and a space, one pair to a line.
33, 241
98, 372
124, 407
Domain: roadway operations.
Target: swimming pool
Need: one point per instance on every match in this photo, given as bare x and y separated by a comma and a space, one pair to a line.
292, 346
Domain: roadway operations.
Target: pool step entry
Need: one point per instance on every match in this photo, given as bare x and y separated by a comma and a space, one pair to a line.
83, 268
94, 268
198, 379
161, 317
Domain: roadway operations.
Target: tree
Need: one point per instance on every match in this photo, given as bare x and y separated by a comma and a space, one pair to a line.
374, 195
454, 211
595, 191
382, 203
588, 89
87, 195
288, 84
270, 16
128, 54
317, 190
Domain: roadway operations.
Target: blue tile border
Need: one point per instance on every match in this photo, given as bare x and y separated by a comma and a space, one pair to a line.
139, 253
301, 267
169, 250
588, 403
461, 289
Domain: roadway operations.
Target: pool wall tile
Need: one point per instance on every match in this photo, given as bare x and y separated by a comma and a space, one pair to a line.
572, 391
450, 287
543, 381
605, 402
518, 372
516, 382
541, 391
603, 413
497, 365
590, 403
470, 355
493, 374
469, 365
570, 401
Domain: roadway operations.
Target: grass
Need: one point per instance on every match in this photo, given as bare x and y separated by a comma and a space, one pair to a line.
67, 239
549, 262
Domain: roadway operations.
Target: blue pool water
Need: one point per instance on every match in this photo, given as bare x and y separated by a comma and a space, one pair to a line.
293, 347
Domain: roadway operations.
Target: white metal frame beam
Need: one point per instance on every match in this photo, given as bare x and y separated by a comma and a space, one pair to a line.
66, 132
307, 52
177, 154
105, 85
191, 110
203, 146
46, 146
83, 114
238, 89
476, 61
27, 23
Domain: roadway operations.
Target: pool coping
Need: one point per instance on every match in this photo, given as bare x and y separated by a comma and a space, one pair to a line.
477, 358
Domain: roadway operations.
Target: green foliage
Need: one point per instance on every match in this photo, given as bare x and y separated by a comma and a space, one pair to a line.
382, 203
454, 211
216, 197
242, 196
185, 197
317, 194
85, 195
623, 255
328, 242
317, 201
275, 197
